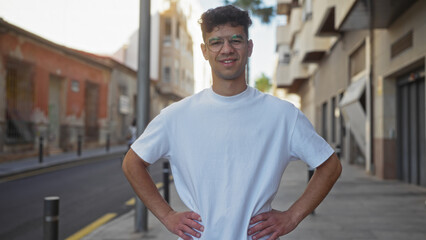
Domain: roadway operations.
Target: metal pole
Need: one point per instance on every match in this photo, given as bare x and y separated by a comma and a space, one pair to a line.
51, 218
166, 180
107, 142
79, 142
40, 150
141, 215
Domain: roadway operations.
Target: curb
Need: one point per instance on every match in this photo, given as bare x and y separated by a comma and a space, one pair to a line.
68, 162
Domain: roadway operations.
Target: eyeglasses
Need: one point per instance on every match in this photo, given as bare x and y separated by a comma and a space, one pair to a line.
216, 44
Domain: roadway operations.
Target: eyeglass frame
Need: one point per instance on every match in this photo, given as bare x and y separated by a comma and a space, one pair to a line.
229, 39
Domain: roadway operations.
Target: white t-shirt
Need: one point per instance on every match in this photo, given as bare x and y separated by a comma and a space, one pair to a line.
228, 154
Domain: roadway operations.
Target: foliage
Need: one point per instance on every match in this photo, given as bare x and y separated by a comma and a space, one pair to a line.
256, 7
262, 83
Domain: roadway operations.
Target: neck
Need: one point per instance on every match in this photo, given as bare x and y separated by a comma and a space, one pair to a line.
228, 87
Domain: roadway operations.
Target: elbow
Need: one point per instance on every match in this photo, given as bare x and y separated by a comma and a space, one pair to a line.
124, 165
337, 167
132, 163
332, 168
127, 162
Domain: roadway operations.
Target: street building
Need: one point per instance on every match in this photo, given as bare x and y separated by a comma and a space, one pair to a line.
171, 53
49, 91
62, 98
359, 69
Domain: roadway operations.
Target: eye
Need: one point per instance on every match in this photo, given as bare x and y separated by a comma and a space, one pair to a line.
216, 42
236, 41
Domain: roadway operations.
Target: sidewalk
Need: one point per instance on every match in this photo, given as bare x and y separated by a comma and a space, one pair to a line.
31, 164
358, 207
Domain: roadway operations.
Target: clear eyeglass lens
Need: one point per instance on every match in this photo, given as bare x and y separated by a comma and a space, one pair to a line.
216, 44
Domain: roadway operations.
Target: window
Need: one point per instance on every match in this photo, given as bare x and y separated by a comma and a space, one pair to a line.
168, 27
402, 44
167, 31
19, 104
357, 60
177, 30
166, 77
285, 58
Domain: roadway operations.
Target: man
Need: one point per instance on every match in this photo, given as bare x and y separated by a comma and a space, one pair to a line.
228, 147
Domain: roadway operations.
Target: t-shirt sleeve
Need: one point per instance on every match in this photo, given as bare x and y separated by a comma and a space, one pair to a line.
153, 144
306, 144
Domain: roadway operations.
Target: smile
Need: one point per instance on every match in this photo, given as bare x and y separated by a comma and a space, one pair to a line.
228, 61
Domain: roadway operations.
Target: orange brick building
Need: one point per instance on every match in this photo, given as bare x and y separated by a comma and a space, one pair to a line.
51, 91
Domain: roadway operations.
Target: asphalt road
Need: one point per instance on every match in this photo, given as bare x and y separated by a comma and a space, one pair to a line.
87, 192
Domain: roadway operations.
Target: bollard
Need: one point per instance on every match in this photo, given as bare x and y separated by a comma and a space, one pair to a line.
40, 150
107, 142
51, 218
79, 142
166, 173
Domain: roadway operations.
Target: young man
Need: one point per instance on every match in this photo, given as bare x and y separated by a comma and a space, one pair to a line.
228, 147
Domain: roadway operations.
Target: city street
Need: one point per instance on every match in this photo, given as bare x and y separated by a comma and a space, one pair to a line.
87, 192
360, 207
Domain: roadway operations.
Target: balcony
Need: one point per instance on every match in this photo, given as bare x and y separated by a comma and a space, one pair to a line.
284, 6
383, 13
312, 48
299, 74
282, 76
295, 23
324, 20
169, 91
283, 35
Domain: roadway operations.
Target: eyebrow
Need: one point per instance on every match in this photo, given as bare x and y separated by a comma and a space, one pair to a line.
232, 37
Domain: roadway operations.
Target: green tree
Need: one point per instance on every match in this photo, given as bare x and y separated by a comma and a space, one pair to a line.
256, 7
262, 83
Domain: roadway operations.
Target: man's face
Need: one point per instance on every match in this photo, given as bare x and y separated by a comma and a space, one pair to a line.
227, 49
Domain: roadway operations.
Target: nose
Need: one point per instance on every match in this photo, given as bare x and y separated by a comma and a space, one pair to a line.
227, 47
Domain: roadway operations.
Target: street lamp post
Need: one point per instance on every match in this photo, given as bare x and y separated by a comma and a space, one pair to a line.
141, 215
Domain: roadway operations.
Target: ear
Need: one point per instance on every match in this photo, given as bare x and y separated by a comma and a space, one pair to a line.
250, 48
205, 51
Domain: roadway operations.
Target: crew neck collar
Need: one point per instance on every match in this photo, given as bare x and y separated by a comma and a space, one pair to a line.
229, 98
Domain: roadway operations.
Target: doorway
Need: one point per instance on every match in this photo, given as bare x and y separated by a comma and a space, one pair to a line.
91, 112
411, 128
55, 112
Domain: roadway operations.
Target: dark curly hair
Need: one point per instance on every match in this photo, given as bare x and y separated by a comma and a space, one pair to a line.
224, 15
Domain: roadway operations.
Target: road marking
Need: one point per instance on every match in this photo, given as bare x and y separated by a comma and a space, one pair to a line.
101, 221
91, 227
131, 202
159, 185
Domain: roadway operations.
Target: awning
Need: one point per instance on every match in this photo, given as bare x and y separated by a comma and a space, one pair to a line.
353, 112
354, 92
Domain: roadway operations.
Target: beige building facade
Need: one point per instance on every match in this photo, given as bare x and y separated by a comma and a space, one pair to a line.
176, 67
358, 67
171, 53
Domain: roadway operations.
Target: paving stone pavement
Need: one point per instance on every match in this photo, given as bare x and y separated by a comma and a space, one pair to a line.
359, 207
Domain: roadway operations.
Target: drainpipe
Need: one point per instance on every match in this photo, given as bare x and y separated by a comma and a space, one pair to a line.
370, 94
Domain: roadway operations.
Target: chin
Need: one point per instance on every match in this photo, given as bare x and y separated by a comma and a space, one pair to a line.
230, 77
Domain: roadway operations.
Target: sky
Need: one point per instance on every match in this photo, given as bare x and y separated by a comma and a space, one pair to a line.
103, 26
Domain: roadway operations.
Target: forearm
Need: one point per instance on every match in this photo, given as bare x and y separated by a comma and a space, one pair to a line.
318, 187
136, 173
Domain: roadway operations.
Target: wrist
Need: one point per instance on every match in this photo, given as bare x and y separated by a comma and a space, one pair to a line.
296, 215
164, 217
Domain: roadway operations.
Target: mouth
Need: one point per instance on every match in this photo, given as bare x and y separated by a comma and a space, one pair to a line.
228, 61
